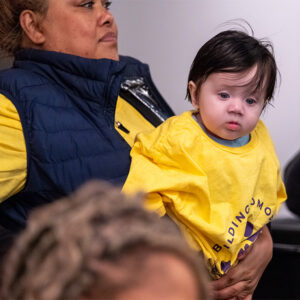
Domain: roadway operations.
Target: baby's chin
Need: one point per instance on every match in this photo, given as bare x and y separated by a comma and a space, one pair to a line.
229, 137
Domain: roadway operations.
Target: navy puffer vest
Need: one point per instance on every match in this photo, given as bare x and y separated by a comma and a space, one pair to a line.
66, 105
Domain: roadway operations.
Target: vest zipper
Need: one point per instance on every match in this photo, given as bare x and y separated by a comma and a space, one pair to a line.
107, 101
121, 127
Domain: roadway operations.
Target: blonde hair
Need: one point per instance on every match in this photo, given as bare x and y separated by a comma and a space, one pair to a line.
11, 32
54, 257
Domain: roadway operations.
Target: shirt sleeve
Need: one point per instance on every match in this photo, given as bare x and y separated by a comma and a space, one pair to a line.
156, 169
143, 176
13, 158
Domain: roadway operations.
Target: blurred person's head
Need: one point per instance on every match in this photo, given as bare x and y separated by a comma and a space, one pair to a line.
99, 244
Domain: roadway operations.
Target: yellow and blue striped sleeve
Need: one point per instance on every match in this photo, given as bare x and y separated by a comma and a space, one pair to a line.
13, 158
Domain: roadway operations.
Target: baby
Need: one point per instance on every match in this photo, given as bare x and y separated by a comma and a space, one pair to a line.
214, 170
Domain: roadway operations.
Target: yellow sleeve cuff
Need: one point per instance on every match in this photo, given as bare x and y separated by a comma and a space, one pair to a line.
13, 158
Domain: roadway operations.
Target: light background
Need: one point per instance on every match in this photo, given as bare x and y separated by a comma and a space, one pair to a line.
167, 34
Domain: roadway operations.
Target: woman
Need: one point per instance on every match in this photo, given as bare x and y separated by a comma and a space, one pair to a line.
69, 131
67, 107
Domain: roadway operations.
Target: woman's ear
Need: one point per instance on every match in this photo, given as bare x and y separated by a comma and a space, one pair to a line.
30, 23
194, 94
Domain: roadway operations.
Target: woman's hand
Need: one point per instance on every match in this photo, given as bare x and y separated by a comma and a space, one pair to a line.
240, 281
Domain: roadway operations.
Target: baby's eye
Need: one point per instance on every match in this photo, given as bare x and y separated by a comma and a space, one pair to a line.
107, 4
250, 101
88, 4
224, 95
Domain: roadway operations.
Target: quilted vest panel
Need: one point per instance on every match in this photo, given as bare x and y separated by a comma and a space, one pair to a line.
66, 105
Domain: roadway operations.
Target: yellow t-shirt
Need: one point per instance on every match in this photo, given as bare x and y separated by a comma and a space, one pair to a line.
13, 160
220, 196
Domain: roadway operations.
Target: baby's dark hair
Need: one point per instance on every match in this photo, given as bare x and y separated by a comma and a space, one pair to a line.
67, 247
236, 51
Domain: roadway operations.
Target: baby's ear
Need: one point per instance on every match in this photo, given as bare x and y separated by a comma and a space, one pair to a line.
194, 94
30, 23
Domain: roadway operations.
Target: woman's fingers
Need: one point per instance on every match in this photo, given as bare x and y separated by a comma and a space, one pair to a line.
242, 279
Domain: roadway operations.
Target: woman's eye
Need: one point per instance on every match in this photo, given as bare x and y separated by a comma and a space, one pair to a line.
107, 4
89, 4
224, 95
250, 101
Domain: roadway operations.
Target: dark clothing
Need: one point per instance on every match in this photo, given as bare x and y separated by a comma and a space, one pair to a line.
292, 184
67, 106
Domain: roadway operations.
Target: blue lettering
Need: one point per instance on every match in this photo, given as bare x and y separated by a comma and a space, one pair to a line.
217, 248
230, 241
247, 209
231, 231
268, 211
234, 224
241, 216
260, 204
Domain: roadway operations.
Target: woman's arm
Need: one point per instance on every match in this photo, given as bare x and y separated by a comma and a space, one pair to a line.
241, 281
13, 159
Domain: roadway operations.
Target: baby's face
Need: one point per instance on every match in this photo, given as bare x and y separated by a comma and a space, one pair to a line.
227, 107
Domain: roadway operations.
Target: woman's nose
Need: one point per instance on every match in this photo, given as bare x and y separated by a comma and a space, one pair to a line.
105, 17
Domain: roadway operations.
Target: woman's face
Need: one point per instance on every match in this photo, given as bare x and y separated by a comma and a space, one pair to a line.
80, 27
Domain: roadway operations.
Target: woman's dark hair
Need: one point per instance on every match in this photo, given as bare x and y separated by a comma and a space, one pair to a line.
236, 51
11, 32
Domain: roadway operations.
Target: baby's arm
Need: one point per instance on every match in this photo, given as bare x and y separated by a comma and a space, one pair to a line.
241, 280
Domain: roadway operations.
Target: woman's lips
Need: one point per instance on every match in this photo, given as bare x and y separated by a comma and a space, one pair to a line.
108, 37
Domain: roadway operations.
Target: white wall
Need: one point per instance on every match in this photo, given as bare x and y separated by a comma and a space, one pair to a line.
168, 33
